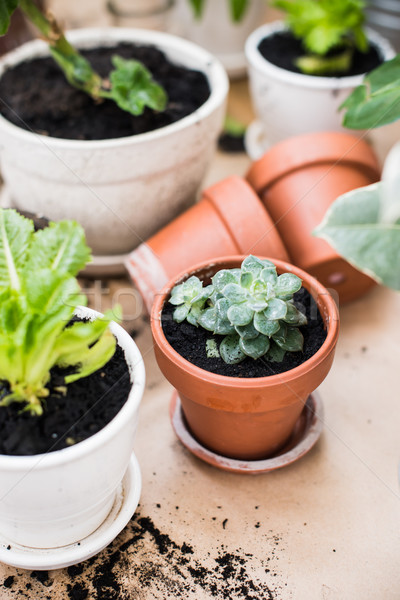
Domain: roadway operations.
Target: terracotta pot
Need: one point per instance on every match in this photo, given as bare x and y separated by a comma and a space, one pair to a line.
297, 180
229, 219
241, 418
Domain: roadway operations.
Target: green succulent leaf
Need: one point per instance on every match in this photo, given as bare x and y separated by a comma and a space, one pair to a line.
212, 349
246, 279
294, 316
233, 292
239, 314
133, 87
247, 332
223, 278
254, 265
269, 275
275, 353
287, 284
376, 101
265, 325
230, 350
180, 313
207, 319
7, 8
256, 347
293, 340
276, 309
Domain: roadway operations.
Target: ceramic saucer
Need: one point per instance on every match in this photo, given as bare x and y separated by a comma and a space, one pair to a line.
306, 433
125, 504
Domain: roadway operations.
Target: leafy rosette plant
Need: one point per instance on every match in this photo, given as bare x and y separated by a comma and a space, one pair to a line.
130, 85
252, 307
330, 30
38, 295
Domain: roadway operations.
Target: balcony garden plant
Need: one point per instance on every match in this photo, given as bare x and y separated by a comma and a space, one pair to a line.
364, 225
71, 382
301, 69
113, 142
244, 341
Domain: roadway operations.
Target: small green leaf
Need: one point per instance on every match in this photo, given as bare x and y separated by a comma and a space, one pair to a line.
133, 88
234, 293
265, 325
223, 277
230, 351
180, 313
288, 283
276, 309
255, 348
207, 319
15, 238
275, 353
293, 340
7, 8
212, 349
247, 332
255, 265
240, 315
246, 279
238, 9
294, 316
269, 275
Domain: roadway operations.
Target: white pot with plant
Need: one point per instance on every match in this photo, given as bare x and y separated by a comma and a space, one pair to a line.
121, 189
222, 26
71, 386
364, 224
301, 70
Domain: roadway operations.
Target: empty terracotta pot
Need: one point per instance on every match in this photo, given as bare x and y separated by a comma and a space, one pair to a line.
242, 418
229, 219
297, 180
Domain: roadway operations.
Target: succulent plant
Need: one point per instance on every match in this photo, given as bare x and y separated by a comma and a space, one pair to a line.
251, 306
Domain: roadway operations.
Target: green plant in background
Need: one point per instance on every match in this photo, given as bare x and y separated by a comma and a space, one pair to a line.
376, 101
364, 224
130, 85
330, 30
237, 8
251, 306
38, 295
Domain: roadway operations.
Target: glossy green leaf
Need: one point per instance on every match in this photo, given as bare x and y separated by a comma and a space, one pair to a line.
234, 293
230, 351
265, 325
133, 87
180, 313
247, 332
223, 277
276, 309
7, 8
256, 348
292, 341
377, 101
288, 284
354, 228
240, 315
294, 316
275, 352
15, 238
207, 319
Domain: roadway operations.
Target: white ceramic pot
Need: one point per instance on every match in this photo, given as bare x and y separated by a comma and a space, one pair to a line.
216, 31
288, 104
55, 499
121, 190
148, 14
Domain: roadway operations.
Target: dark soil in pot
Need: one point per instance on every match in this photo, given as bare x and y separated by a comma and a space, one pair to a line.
35, 96
88, 406
190, 342
282, 49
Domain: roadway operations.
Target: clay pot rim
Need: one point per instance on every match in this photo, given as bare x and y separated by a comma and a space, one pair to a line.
90, 37
314, 287
261, 64
316, 148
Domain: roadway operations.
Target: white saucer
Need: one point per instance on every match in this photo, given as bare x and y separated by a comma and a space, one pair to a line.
255, 140
125, 504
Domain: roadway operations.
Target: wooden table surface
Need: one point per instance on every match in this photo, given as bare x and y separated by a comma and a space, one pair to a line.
323, 528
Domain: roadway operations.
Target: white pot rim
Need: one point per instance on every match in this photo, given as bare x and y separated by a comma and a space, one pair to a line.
89, 37
89, 445
259, 63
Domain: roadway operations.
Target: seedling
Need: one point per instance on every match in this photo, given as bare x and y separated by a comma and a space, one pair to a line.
38, 295
252, 307
130, 85
330, 30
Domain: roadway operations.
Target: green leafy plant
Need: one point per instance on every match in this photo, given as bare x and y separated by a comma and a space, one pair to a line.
364, 224
237, 8
251, 306
376, 101
130, 85
330, 30
38, 295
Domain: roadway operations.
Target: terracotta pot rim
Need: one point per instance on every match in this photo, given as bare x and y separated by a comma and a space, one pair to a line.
316, 148
255, 58
251, 382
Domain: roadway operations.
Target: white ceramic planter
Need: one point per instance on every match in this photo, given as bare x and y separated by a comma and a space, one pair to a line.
287, 103
148, 14
121, 190
218, 33
55, 499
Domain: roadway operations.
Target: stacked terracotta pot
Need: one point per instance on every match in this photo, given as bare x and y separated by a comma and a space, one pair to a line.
297, 180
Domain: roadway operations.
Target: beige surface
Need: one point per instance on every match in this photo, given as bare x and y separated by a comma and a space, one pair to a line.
325, 528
